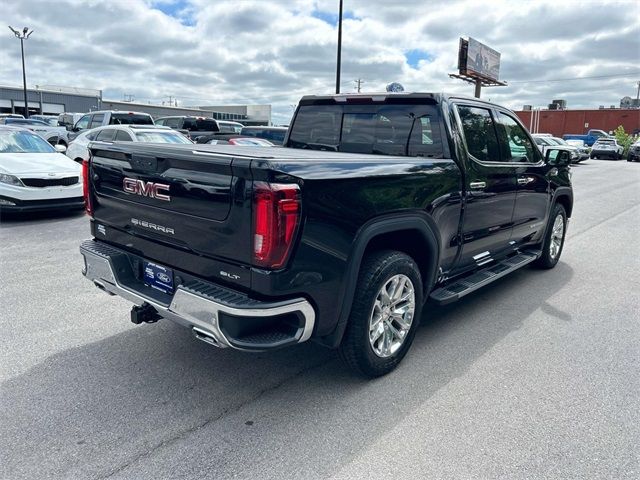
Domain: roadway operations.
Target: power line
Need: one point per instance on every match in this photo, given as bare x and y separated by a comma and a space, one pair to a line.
576, 78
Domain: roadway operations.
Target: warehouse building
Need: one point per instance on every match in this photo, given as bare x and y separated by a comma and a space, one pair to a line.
52, 100
562, 122
49, 100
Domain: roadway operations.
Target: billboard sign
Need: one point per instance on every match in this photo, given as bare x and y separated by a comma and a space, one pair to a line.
476, 59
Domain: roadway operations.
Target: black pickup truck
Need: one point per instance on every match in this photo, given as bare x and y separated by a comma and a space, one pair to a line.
375, 205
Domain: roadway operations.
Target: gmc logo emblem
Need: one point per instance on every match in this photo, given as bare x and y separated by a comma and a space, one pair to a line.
146, 189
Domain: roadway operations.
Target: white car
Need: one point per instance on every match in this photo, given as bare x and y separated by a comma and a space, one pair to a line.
578, 153
36, 176
78, 148
607, 148
545, 141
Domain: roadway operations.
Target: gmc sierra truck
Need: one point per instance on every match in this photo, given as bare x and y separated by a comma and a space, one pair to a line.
375, 205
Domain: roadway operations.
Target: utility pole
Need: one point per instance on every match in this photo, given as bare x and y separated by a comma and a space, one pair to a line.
339, 49
638, 95
359, 83
23, 36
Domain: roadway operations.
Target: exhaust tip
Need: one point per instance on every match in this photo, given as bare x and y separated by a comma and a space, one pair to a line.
206, 337
103, 288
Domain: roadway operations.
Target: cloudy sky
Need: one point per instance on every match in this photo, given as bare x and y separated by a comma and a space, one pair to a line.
274, 51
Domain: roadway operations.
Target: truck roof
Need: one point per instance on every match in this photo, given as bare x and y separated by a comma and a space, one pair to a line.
385, 96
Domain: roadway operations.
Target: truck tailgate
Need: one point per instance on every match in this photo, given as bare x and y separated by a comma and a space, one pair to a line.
175, 196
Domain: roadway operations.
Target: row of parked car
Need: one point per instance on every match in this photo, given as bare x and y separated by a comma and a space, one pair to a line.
604, 146
43, 177
579, 151
64, 128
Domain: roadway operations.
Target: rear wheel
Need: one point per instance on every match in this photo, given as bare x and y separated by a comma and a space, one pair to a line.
385, 314
554, 238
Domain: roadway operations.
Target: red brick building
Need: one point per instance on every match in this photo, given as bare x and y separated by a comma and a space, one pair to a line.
561, 122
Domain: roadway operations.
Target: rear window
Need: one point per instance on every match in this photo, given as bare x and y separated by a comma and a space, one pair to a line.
230, 127
398, 129
268, 134
161, 137
275, 135
130, 119
200, 125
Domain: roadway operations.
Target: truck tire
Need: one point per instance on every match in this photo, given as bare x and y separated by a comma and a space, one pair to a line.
385, 314
553, 238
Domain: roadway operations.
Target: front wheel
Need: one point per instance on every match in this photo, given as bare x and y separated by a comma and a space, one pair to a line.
553, 238
385, 314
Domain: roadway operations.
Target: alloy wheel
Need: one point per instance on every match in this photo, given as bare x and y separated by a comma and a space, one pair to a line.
392, 315
557, 235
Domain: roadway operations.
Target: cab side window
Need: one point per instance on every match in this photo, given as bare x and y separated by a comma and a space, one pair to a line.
83, 123
480, 133
514, 141
97, 120
173, 122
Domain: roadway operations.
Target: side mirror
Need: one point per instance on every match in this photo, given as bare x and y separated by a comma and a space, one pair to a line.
60, 148
69, 128
558, 157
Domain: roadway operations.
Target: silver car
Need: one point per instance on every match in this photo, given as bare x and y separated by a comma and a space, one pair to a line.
78, 148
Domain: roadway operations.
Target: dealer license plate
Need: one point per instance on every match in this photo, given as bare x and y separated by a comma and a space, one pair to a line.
158, 277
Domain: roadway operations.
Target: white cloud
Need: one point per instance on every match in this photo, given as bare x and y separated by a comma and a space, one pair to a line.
262, 51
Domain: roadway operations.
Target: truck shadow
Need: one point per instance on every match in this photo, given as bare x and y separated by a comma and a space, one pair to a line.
155, 392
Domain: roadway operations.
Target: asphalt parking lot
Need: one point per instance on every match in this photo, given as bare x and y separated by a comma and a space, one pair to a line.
536, 376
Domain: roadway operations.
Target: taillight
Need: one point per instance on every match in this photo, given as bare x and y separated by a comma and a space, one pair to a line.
85, 188
276, 214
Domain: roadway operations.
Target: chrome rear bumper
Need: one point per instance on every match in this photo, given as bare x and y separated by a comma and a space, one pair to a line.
202, 306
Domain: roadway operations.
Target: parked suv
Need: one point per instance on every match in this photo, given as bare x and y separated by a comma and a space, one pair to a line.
607, 148
374, 205
109, 117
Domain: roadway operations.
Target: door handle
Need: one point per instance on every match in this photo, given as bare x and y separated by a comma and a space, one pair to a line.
478, 185
523, 181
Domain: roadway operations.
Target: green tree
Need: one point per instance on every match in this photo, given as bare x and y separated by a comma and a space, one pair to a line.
623, 139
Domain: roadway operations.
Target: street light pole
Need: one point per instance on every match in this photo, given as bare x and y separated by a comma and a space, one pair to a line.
339, 49
23, 36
